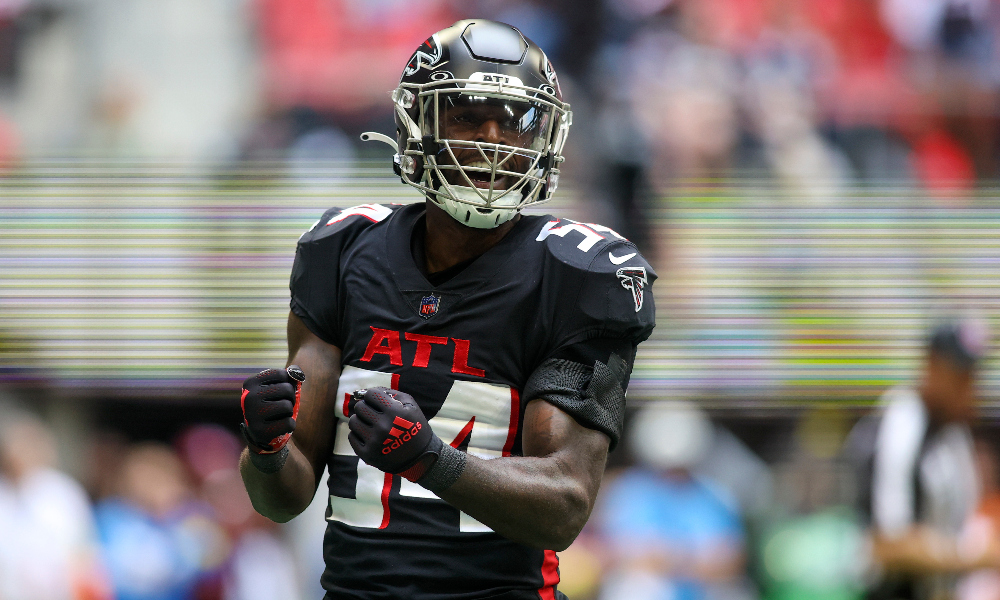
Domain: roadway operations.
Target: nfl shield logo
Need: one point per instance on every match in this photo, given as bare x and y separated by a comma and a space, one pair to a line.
429, 306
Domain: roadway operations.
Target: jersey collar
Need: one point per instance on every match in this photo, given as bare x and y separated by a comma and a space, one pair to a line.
409, 278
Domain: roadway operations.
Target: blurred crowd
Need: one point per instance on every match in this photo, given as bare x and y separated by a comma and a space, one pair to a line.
143, 520
812, 95
848, 89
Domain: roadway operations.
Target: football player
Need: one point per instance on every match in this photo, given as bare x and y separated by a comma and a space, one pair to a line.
458, 367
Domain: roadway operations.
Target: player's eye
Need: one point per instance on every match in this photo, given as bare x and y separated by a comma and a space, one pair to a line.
462, 118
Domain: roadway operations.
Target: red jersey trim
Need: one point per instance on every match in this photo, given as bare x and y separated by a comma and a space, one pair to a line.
550, 576
386, 488
515, 417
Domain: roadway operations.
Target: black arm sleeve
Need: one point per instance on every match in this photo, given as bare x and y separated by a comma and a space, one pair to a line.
588, 381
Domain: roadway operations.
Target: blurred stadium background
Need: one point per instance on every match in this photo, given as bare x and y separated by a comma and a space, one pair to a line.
815, 182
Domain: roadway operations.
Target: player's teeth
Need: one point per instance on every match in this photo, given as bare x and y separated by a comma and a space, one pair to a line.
480, 164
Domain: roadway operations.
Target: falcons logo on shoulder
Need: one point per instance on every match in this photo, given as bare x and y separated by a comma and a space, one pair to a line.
634, 280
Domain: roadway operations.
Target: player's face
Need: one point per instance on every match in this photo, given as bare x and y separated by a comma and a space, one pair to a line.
515, 124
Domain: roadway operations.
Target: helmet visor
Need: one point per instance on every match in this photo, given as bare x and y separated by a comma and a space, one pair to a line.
507, 121
488, 142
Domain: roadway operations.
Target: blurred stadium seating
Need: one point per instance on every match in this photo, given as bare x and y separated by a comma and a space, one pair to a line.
171, 280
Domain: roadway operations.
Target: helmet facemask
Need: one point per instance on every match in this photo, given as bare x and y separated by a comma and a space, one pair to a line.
485, 148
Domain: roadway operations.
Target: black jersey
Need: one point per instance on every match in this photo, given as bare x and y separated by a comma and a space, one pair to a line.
464, 350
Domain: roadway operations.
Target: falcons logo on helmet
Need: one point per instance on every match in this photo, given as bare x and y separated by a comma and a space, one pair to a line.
428, 54
550, 75
634, 280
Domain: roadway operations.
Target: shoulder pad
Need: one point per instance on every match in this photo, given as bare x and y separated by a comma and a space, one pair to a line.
609, 280
348, 221
576, 243
315, 280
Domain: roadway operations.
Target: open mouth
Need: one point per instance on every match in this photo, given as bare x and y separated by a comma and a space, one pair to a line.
481, 179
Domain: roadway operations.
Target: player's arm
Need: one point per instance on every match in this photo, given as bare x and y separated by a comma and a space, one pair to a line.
545, 497
541, 499
283, 494
574, 415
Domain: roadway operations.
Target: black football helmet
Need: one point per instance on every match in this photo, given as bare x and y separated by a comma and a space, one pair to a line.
480, 122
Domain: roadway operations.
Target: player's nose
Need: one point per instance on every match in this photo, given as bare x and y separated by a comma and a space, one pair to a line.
491, 133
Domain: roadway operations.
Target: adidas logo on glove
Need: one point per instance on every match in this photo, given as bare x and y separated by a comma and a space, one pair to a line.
398, 437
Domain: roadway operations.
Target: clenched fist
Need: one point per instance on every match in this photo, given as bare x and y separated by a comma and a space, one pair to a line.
270, 403
390, 433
